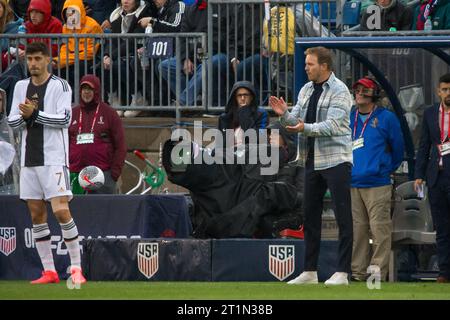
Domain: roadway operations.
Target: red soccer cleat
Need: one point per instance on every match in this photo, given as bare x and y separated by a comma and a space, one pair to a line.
48, 276
77, 276
291, 233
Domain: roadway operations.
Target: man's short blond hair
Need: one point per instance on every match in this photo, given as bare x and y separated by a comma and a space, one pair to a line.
323, 55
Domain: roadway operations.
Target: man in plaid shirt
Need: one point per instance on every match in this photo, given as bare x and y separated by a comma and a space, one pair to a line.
321, 117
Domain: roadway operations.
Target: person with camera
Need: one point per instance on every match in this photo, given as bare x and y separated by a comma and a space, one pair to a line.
377, 144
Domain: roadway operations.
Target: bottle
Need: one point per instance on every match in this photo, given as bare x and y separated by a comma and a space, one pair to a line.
21, 31
145, 63
428, 26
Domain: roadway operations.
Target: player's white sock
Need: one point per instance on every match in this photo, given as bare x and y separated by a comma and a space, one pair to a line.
41, 235
70, 235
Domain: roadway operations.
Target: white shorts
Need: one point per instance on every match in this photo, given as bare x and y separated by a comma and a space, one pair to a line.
44, 182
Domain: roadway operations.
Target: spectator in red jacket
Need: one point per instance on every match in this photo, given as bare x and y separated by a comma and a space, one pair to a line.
40, 20
106, 149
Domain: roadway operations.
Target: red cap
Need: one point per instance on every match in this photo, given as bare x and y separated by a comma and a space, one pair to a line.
366, 82
90, 84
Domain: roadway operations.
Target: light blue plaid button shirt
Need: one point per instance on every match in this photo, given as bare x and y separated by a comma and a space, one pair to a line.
333, 139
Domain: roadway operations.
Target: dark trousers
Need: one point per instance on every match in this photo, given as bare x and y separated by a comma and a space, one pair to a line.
440, 211
337, 179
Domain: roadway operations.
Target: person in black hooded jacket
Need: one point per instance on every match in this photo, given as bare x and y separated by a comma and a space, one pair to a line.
242, 112
238, 200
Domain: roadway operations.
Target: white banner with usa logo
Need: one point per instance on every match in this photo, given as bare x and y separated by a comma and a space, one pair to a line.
7, 240
281, 261
147, 255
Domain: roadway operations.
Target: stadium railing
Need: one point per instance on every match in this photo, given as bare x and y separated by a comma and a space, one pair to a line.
144, 90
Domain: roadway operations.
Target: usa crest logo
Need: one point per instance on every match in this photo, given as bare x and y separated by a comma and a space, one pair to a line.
281, 261
7, 240
147, 255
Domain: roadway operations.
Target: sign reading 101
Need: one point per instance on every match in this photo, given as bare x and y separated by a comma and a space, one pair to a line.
159, 48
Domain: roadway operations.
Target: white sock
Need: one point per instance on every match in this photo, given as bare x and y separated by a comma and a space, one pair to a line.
70, 235
74, 251
41, 235
45, 253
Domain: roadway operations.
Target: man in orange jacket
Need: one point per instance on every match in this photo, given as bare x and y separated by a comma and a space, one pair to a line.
76, 22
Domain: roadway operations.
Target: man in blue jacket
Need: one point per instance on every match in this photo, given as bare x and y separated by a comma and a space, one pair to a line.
377, 144
433, 165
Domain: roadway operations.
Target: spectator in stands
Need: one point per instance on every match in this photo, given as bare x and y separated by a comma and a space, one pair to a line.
190, 78
8, 25
377, 153
40, 21
437, 10
249, 60
106, 149
76, 22
321, 117
433, 165
168, 18
392, 15
123, 19
242, 112
100, 10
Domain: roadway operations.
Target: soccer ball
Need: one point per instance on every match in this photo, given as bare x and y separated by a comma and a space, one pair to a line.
91, 178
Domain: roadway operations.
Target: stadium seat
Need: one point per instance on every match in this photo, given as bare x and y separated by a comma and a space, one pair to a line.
189, 2
327, 13
351, 14
412, 222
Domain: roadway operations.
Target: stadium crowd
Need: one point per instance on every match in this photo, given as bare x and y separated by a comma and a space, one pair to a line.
235, 57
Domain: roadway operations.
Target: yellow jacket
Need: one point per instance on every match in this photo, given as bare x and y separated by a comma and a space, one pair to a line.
86, 48
282, 26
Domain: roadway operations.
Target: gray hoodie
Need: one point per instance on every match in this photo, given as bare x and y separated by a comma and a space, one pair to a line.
8, 181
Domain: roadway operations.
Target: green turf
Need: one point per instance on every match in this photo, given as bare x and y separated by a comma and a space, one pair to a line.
221, 291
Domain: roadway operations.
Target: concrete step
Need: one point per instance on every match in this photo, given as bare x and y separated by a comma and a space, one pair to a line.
148, 133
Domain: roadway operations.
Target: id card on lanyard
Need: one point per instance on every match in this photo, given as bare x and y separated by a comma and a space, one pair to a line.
444, 146
359, 143
86, 138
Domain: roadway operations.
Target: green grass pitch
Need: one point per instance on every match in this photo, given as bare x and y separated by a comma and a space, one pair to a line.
223, 291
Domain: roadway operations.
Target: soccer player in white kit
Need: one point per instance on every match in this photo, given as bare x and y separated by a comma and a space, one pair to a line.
41, 109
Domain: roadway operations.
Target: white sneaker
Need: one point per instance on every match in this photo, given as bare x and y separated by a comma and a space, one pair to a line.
306, 277
119, 113
113, 99
138, 100
131, 113
338, 278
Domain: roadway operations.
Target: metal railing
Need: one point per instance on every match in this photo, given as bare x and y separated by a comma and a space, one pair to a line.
256, 33
161, 85
128, 77
254, 40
